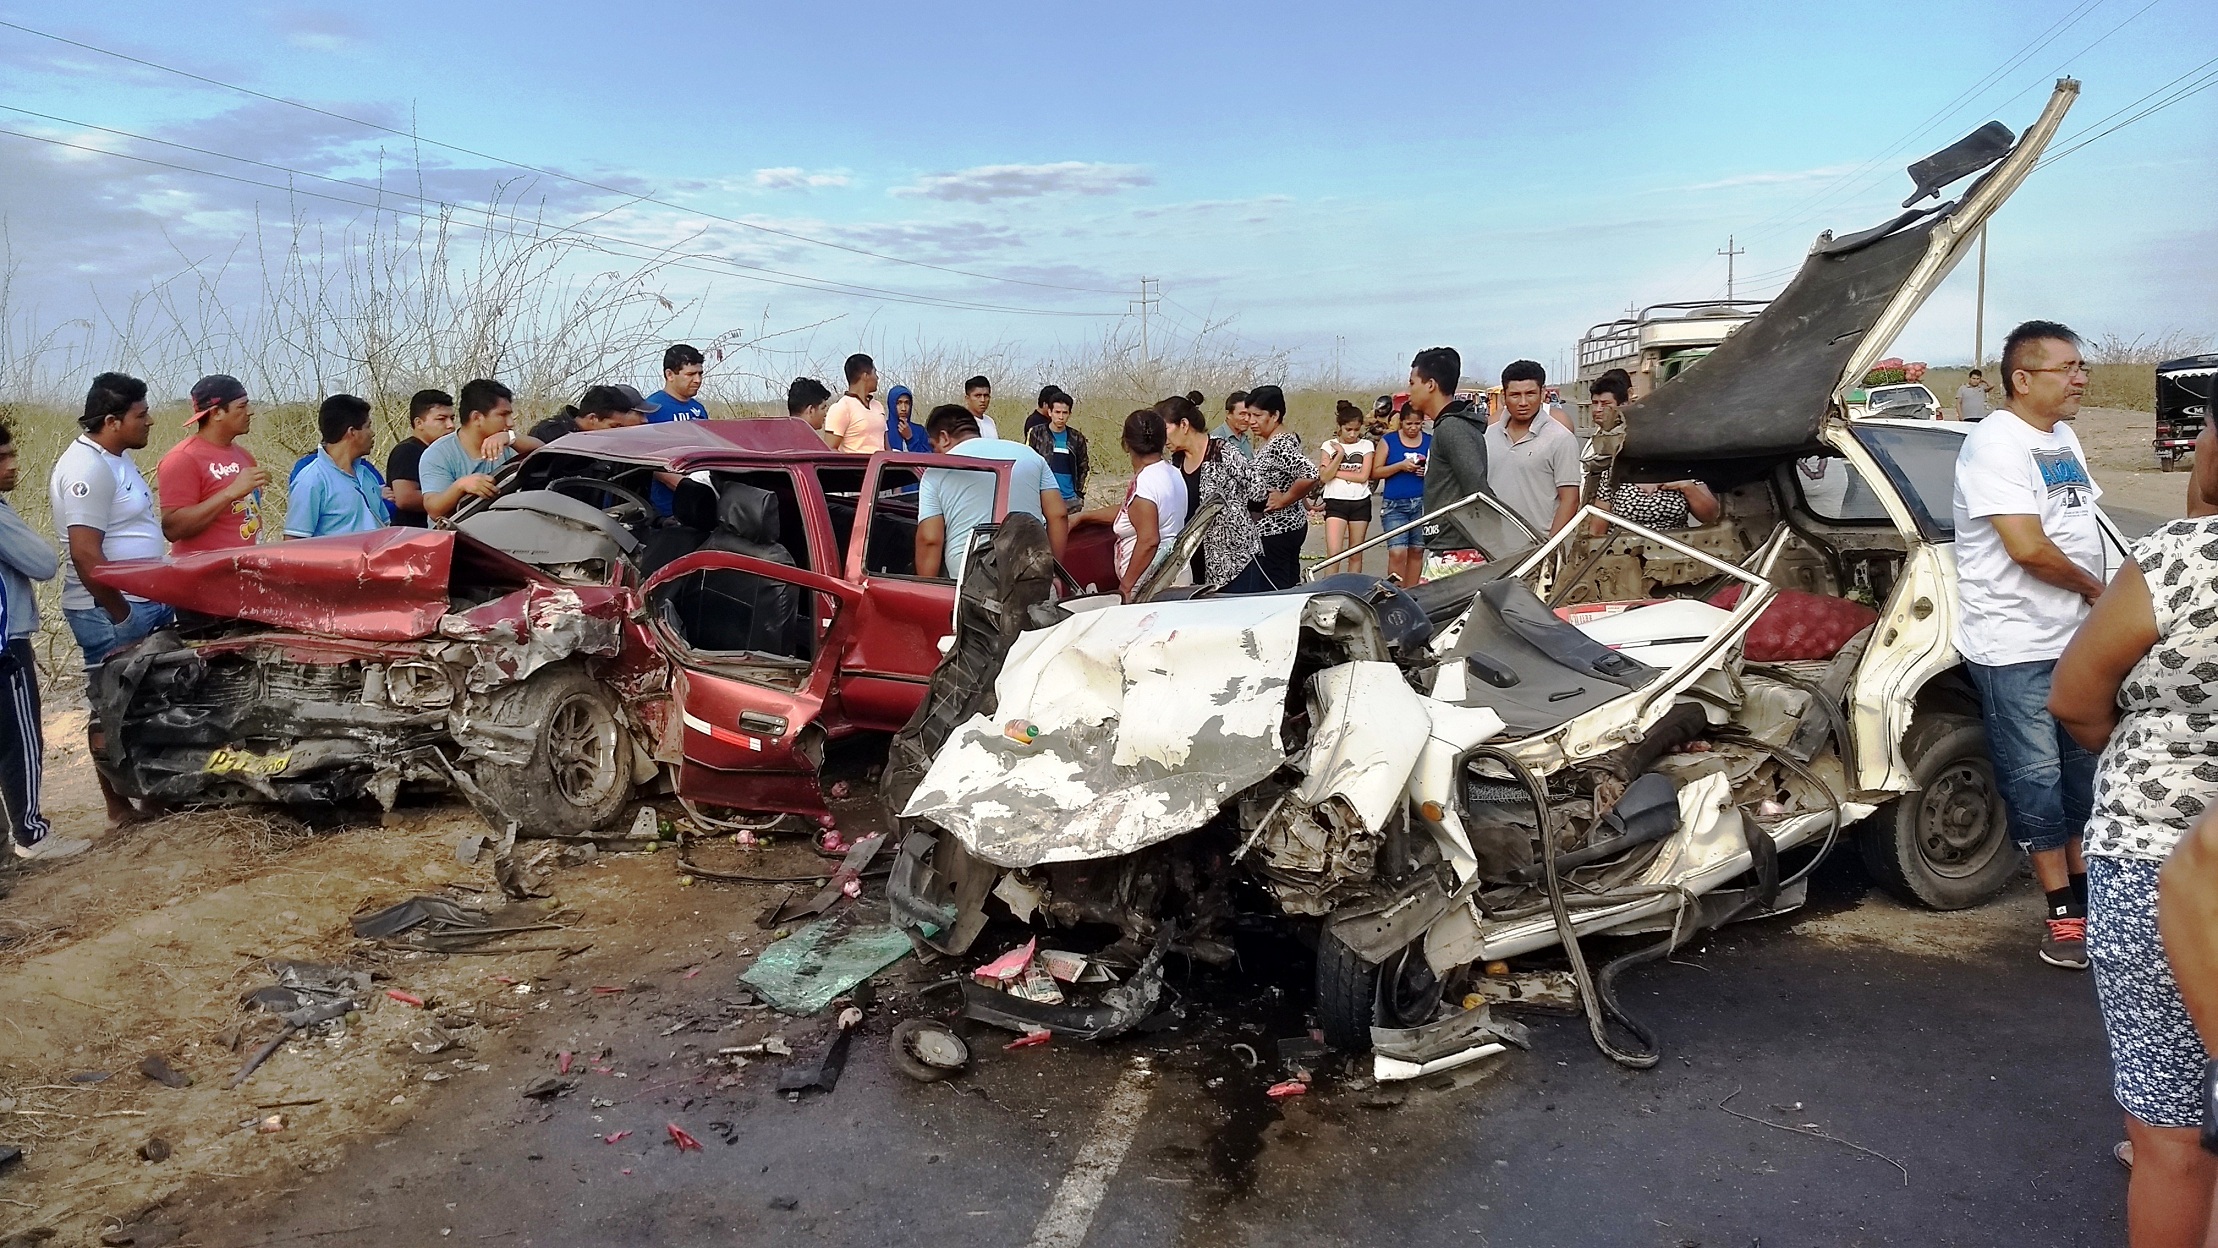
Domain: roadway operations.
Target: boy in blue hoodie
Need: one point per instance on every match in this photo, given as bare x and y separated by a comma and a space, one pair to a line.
24, 557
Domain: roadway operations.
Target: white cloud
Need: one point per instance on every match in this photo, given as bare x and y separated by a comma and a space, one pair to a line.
1787, 177
985, 183
319, 30
792, 178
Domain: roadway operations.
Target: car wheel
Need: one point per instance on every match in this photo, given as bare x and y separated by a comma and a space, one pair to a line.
1946, 845
578, 775
1353, 995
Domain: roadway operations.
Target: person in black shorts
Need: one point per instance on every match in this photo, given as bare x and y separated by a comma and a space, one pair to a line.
1344, 465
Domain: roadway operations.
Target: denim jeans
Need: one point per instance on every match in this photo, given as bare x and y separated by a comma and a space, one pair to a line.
2047, 780
1396, 512
98, 636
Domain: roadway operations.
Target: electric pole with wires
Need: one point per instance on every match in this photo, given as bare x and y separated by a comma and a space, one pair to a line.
1148, 296
1729, 252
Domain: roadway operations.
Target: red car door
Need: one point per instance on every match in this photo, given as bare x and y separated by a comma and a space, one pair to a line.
755, 653
895, 642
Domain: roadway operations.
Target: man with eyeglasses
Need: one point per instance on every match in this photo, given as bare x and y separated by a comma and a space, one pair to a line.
2029, 554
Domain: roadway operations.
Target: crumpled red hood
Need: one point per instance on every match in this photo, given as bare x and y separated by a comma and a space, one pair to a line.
385, 585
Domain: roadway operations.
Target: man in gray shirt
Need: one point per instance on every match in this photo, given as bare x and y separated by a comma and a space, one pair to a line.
24, 557
1971, 397
1532, 462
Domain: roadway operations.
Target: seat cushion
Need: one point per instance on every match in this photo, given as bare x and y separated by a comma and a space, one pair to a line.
1799, 625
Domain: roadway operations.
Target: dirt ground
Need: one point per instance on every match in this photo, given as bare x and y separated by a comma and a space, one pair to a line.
144, 945
2123, 462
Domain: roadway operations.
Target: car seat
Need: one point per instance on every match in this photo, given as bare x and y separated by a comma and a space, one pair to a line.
741, 611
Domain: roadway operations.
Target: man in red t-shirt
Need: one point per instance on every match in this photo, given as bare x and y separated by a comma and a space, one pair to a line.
210, 487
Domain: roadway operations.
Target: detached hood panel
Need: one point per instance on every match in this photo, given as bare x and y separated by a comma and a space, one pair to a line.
386, 585
1768, 388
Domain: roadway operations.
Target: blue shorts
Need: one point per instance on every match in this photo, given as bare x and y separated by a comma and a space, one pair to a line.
2047, 780
2156, 1058
1396, 512
98, 636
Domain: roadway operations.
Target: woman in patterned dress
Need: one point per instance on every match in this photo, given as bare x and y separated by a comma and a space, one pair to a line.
2140, 684
1284, 476
1216, 475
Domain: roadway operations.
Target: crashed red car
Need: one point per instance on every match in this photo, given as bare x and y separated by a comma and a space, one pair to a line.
560, 647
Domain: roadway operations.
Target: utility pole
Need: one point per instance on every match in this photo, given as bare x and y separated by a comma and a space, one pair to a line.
1979, 308
1729, 252
1146, 297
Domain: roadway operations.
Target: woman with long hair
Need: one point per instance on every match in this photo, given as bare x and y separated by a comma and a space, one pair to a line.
1284, 476
1147, 523
1215, 474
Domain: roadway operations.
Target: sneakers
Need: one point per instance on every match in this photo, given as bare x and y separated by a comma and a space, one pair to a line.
55, 848
2065, 944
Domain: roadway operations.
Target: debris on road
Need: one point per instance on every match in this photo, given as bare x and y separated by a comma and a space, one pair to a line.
443, 915
1290, 1087
678, 1136
156, 1150
405, 998
805, 972
1030, 1039
157, 1068
927, 1050
547, 1087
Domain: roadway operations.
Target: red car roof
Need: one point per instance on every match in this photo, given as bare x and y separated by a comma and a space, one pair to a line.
677, 443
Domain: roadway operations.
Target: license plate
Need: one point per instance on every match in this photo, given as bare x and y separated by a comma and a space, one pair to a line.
227, 761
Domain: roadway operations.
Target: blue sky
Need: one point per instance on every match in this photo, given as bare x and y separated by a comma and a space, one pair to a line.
1332, 180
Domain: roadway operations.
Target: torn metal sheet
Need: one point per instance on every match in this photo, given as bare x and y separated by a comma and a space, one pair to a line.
384, 585
1444, 1037
1366, 731
1132, 749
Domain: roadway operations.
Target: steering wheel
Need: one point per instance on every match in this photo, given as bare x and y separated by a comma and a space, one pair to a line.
634, 512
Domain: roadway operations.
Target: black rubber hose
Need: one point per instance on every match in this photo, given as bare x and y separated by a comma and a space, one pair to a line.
1590, 999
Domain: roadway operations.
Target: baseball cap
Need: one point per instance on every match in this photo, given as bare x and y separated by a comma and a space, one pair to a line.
633, 400
212, 392
609, 399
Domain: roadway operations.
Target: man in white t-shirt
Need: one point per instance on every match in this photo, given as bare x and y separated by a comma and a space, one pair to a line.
2029, 558
978, 396
103, 512
952, 502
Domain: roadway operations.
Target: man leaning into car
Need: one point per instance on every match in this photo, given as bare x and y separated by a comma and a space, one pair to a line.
2026, 539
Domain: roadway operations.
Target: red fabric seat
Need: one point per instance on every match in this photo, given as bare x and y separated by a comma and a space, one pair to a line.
1799, 626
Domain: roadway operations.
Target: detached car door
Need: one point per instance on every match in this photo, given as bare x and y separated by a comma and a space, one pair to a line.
895, 641
755, 652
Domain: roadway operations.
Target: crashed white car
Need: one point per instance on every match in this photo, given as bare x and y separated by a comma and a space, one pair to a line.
1620, 731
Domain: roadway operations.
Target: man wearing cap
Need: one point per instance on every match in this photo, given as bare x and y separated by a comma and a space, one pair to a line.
210, 486
601, 407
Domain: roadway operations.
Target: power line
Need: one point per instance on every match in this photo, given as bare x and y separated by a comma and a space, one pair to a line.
601, 243
1853, 180
551, 173
2204, 83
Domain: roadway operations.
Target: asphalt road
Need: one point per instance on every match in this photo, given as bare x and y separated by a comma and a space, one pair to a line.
1937, 1043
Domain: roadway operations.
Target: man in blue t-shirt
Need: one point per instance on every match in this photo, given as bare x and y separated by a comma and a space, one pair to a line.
339, 491
681, 382
953, 502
